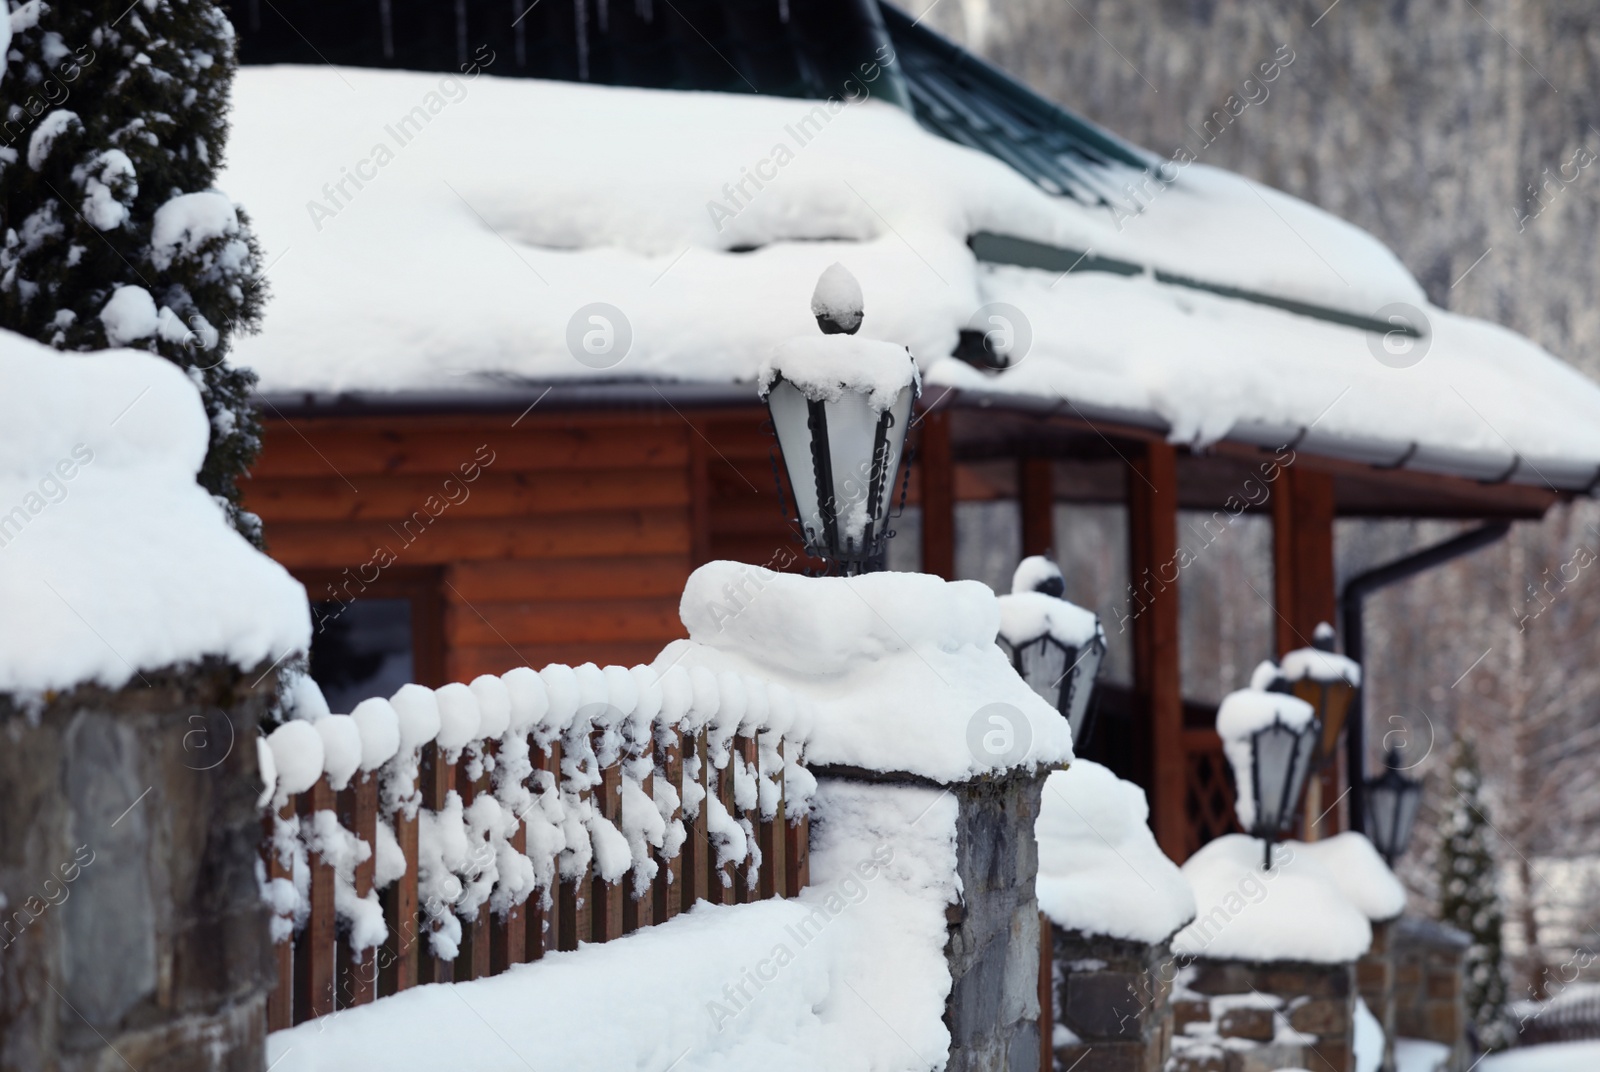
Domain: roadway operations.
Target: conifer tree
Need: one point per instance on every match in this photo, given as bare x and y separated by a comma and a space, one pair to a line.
113, 119
1469, 898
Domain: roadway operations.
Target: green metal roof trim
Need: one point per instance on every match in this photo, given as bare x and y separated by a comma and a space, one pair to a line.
964, 99
1026, 253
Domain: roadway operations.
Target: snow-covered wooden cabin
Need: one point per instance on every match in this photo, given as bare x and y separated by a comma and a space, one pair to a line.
473, 472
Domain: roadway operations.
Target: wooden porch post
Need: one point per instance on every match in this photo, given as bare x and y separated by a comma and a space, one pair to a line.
1304, 591
938, 495
1037, 500
1153, 605
1302, 557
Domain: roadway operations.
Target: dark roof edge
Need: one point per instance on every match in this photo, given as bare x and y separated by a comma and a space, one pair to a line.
1561, 476
508, 398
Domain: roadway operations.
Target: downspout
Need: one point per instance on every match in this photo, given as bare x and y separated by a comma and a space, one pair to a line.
1351, 602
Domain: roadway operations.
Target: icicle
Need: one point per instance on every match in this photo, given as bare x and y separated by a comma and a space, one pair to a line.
783, 11
644, 10
521, 38
461, 33
601, 14
386, 20
581, 17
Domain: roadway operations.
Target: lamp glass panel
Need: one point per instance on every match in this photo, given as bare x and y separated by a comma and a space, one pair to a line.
894, 449
791, 418
1083, 678
1044, 664
1383, 808
1406, 817
1275, 750
1305, 744
852, 433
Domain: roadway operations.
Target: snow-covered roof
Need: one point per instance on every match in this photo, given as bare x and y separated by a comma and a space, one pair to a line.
1100, 870
501, 207
113, 560
902, 668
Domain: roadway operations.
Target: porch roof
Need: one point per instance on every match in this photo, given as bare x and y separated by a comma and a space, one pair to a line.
456, 262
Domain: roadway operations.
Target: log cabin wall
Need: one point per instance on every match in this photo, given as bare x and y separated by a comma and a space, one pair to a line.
558, 537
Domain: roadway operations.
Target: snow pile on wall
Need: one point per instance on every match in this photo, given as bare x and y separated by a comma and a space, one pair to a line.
1550, 1057
1295, 911
849, 977
1360, 874
465, 241
903, 668
113, 560
600, 717
1100, 870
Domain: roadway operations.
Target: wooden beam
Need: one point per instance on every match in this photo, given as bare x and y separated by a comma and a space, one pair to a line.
1304, 594
938, 495
1153, 605
1036, 497
1302, 556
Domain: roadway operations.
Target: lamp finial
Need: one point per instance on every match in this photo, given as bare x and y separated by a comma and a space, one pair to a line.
837, 302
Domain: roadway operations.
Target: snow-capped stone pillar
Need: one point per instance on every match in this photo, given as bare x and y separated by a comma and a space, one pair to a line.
138, 634
917, 712
1113, 901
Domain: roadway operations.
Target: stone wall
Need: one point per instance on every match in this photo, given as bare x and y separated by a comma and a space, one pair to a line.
1429, 1001
133, 932
1375, 981
1233, 1016
1111, 1003
993, 948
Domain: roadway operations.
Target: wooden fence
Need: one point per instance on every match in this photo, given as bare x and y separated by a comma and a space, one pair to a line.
745, 771
1571, 1017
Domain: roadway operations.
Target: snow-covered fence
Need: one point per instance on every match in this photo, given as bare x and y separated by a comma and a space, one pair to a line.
447, 834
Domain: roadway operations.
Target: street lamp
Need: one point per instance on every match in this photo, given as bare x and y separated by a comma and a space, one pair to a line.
1055, 646
1392, 803
841, 407
1268, 738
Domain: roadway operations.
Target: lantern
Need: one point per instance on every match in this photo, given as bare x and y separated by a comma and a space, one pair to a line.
1392, 803
1269, 738
841, 407
1055, 646
1327, 681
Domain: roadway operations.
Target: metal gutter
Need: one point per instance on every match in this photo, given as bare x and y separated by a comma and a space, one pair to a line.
1352, 601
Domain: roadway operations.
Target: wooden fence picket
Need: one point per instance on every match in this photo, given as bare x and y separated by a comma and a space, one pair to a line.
314, 987
318, 970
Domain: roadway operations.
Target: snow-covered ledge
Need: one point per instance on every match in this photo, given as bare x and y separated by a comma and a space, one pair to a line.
911, 696
136, 656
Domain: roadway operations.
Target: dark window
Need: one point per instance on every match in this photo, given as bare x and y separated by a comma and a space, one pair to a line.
361, 649
369, 639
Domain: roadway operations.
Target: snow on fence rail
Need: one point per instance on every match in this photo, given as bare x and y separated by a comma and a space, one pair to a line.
448, 834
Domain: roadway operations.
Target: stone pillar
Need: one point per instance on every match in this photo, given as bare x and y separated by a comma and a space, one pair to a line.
1375, 979
1430, 1001
1112, 1011
133, 931
993, 948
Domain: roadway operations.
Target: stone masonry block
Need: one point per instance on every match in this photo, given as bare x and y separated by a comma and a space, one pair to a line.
1245, 1023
